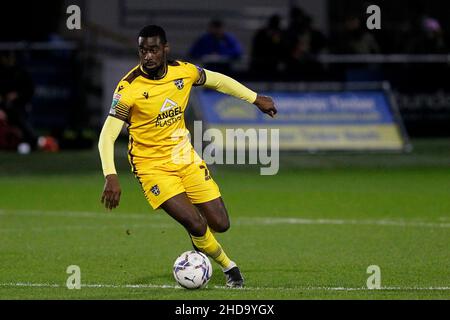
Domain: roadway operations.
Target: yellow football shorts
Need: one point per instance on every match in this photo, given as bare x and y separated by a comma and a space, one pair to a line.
161, 181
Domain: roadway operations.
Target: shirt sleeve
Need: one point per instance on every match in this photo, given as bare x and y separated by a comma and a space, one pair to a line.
227, 85
122, 101
196, 73
110, 131
199, 76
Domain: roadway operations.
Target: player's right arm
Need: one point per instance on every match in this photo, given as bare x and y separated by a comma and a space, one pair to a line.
118, 114
111, 191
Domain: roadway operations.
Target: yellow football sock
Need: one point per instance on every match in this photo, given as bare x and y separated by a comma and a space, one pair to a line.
209, 246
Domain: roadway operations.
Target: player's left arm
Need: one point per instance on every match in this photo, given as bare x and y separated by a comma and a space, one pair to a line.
227, 85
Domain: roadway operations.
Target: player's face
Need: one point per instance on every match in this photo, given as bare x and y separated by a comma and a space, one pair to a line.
152, 53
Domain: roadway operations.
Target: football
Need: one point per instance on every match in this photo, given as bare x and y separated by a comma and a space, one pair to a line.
192, 270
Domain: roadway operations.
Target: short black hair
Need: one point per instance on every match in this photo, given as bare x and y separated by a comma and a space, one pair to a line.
153, 31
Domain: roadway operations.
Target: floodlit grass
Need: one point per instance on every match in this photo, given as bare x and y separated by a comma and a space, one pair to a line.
309, 232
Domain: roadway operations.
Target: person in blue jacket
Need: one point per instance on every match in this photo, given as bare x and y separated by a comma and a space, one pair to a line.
216, 49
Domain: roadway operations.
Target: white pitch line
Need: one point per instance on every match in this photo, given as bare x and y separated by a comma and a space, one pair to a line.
90, 227
168, 286
260, 221
80, 214
381, 222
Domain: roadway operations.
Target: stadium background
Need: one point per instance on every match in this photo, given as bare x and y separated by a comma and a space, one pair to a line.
329, 214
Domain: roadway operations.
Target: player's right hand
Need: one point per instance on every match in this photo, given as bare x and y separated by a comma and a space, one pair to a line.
111, 192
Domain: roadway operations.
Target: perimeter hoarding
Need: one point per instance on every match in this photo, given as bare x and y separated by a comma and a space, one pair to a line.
326, 120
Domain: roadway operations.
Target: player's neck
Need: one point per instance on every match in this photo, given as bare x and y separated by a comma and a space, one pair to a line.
156, 74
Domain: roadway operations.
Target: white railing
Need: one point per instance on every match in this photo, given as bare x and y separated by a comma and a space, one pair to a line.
24, 45
384, 58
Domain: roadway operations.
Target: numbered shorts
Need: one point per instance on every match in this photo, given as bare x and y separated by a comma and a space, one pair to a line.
162, 181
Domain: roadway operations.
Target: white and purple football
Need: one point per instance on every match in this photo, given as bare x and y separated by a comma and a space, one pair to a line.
192, 270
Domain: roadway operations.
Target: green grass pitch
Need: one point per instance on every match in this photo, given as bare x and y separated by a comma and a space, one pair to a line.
310, 232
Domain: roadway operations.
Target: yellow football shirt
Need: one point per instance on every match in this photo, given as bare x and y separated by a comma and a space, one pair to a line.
154, 109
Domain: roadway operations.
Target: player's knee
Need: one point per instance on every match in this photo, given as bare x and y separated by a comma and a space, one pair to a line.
222, 222
221, 226
224, 226
196, 227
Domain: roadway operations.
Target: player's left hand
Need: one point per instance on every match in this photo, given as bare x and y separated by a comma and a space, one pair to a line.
266, 105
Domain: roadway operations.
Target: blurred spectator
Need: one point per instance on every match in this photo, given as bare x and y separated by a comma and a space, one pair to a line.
216, 49
301, 43
429, 38
16, 91
267, 49
355, 39
395, 38
301, 26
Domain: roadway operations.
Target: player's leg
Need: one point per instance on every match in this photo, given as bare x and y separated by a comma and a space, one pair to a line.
165, 190
182, 210
216, 215
204, 193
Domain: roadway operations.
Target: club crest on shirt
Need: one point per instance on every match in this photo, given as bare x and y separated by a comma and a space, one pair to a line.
155, 190
179, 83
